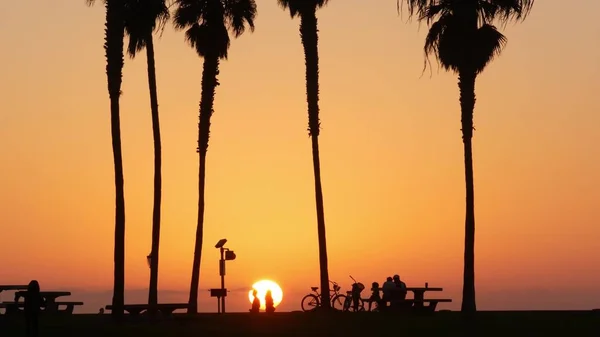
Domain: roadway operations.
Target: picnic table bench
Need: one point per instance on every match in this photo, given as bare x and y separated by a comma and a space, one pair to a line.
166, 309
69, 306
14, 307
11, 307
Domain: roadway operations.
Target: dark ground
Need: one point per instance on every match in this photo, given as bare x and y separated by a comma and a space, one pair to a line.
506, 324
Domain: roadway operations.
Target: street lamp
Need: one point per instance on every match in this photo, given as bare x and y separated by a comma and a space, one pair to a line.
226, 255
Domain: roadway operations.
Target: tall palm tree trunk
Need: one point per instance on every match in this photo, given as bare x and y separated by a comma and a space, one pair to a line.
153, 290
467, 103
209, 84
310, 39
113, 46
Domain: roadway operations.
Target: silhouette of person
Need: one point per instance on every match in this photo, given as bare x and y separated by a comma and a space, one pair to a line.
400, 285
357, 288
255, 302
375, 297
398, 298
388, 287
101, 311
32, 304
269, 305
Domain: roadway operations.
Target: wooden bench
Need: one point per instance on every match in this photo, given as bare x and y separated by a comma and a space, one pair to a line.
432, 303
70, 306
426, 305
166, 309
11, 307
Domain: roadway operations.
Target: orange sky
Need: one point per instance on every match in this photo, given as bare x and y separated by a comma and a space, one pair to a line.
391, 158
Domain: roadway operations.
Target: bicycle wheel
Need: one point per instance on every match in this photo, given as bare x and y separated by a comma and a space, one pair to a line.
310, 302
337, 302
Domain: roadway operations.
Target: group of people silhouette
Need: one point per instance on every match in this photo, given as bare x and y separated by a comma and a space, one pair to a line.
393, 289
269, 304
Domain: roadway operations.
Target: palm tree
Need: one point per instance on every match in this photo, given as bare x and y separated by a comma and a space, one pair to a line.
306, 10
207, 24
113, 45
462, 38
142, 17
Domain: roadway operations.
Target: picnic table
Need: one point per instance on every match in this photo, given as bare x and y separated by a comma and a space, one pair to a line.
166, 309
418, 301
419, 293
48, 296
51, 305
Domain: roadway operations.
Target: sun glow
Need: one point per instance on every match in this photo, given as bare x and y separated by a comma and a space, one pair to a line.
262, 287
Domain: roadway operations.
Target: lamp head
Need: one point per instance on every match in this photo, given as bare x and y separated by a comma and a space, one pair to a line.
221, 243
230, 255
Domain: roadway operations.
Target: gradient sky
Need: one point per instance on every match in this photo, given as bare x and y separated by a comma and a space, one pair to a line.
391, 151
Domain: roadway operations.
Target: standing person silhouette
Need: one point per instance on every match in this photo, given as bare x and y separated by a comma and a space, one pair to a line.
255, 302
269, 305
32, 304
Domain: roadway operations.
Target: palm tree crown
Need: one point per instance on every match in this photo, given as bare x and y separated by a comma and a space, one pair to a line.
462, 35
142, 18
205, 20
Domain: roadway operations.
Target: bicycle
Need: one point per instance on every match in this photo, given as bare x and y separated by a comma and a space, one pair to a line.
311, 302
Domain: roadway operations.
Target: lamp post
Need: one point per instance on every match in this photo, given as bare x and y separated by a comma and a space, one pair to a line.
226, 255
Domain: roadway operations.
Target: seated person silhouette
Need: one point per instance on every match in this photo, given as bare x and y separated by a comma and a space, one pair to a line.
375, 297
388, 287
255, 302
400, 286
399, 294
269, 305
32, 306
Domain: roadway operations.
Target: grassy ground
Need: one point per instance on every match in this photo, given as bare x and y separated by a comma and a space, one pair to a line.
506, 324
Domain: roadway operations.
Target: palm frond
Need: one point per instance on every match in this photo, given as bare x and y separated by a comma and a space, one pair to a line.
415, 8
488, 11
238, 13
297, 7
195, 36
205, 39
489, 43
189, 12
142, 18
445, 41
506, 10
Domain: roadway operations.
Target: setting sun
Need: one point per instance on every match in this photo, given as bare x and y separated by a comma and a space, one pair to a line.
262, 287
